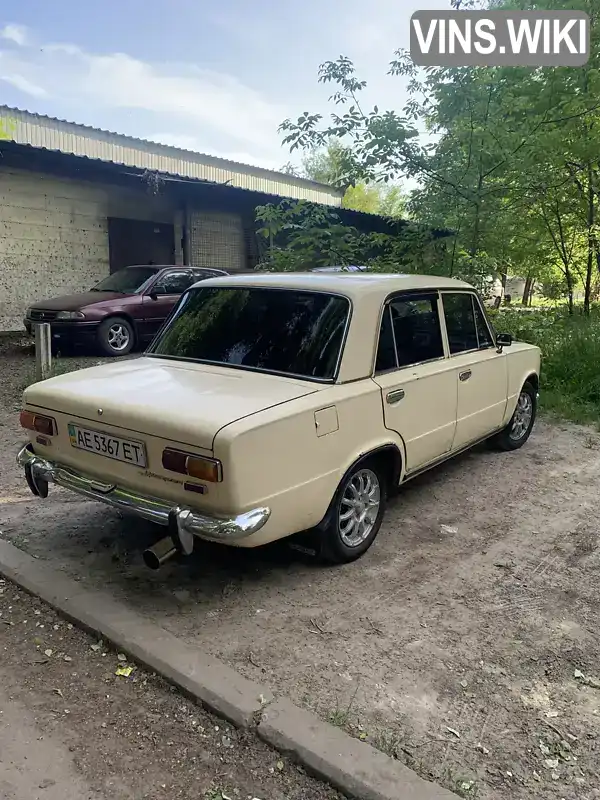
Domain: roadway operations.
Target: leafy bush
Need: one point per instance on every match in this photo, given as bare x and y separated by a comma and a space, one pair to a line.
570, 345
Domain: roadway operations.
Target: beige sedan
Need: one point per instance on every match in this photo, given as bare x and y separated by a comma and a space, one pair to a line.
276, 404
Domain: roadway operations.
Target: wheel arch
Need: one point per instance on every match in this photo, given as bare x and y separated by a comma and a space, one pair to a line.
389, 455
122, 315
534, 379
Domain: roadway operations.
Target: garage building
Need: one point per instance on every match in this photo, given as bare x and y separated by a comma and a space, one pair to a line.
77, 203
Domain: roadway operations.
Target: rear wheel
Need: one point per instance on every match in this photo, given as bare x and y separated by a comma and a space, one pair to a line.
116, 336
356, 514
518, 430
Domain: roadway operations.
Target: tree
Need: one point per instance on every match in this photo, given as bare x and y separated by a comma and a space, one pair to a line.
511, 144
332, 164
335, 166
303, 235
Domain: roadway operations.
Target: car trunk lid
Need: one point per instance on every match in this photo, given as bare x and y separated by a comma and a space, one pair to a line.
180, 401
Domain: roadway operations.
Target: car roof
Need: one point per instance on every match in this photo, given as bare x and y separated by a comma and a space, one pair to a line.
349, 268
158, 267
352, 284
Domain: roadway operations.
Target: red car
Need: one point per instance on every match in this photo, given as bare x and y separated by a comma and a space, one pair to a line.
125, 309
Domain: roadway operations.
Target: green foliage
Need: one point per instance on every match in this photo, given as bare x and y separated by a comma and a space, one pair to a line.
512, 166
336, 166
570, 345
375, 199
303, 235
333, 164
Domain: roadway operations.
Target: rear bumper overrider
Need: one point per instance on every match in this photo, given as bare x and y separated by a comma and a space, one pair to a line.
40, 472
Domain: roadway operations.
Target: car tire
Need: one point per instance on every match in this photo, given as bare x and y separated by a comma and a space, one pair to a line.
518, 430
344, 536
116, 336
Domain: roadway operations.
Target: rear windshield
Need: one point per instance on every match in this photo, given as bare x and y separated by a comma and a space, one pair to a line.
272, 330
127, 281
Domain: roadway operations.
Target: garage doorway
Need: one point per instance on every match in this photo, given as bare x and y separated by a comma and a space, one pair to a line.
133, 241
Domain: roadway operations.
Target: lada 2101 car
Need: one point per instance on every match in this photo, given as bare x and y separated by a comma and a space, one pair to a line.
275, 404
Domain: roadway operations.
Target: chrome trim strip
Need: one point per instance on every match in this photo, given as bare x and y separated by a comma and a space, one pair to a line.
153, 509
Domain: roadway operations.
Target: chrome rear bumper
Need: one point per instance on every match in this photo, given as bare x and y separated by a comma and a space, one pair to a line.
40, 472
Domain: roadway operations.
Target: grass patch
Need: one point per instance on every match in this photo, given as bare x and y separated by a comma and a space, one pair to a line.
570, 345
389, 743
59, 366
341, 716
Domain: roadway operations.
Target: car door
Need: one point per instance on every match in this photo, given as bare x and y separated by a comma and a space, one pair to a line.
481, 373
418, 384
161, 297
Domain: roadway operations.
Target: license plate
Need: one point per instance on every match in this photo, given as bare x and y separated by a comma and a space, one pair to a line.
127, 450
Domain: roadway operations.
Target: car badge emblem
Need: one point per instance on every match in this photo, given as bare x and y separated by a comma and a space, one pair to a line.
100, 412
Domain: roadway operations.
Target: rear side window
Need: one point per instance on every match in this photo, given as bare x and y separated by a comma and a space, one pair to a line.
386, 349
465, 323
203, 274
174, 283
410, 332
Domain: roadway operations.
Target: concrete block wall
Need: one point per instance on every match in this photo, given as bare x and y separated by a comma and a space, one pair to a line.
54, 236
216, 239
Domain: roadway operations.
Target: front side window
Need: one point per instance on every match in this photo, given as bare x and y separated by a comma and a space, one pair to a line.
126, 281
465, 323
273, 330
410, 332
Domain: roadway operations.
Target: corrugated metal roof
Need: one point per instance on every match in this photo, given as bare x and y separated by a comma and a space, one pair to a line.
25, 127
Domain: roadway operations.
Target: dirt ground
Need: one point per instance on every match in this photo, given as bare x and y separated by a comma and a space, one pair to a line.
465, 643
71, 728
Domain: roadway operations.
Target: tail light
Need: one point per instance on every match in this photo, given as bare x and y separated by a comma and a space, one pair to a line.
38, 423
205, 469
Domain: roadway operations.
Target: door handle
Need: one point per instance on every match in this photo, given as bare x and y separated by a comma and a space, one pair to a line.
395, 396
464, 376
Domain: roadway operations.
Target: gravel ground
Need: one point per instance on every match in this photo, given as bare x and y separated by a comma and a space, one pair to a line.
116, 737
465, 643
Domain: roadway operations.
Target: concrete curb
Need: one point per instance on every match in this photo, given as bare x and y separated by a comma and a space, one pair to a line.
220, 688
355, 768
352, 766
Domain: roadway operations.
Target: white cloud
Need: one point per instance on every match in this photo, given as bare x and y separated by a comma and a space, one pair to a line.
235, 116
200, 105
23, 85
14, 33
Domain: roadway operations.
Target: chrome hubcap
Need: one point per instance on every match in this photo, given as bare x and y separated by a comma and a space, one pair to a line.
359, 507
118, 337
522, 417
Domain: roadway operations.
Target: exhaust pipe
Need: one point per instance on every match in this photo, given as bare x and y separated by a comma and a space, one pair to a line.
157, 555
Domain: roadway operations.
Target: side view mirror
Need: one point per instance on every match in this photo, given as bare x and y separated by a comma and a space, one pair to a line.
153, 296
503, 340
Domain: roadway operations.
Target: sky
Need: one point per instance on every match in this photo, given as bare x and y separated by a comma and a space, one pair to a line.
216, 77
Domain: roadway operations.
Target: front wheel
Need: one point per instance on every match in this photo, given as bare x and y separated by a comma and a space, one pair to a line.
116, 337
356, 514
518, 430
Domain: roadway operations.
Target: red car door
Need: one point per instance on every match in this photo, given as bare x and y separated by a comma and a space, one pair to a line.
160, 298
